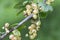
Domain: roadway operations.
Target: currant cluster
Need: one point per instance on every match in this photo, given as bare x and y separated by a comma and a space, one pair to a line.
6, 27
15, 36
35, 9
31, 9
35, 20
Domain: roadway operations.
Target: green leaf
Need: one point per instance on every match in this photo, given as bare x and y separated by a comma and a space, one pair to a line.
43, 14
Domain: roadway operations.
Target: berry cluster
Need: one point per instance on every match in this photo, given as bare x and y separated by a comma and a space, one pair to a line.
6, 27
31, 9
34, 27
15, 36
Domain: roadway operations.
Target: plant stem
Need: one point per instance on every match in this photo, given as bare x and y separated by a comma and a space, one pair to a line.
19, 24
44, 1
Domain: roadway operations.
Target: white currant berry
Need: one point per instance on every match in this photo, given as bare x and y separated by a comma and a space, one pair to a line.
34, 31
7, 31
29, 27
38, 23
28, 7
26, 35
15, 38
35, 12
31, 37
3, 27
34, 34
34, 16
37, 28
34, 6
33, 25
28, 12
24, 12
7, 24
11, 36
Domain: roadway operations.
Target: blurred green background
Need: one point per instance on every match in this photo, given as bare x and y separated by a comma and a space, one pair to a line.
50, 28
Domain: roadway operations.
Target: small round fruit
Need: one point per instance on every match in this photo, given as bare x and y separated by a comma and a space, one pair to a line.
7, 31
11, 36
30, 28
35, 12
24, 12
34, 16
34, 34
32, 37
38, 23
34, 6
26, 35
15, 38
34, 31
28, 7
3, 27
37, 28
33, 25
7, 25
28, 12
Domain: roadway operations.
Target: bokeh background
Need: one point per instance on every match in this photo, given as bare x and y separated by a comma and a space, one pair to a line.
50, 27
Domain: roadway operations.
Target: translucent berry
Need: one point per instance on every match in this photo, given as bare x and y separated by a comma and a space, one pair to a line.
7, 24
28, 7
34, 16
26, 35
11, 36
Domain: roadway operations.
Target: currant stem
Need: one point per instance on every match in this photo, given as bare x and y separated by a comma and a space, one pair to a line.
19, 24
44, 1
